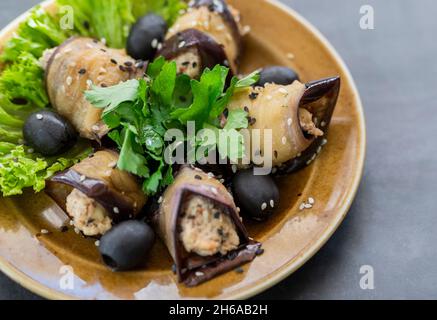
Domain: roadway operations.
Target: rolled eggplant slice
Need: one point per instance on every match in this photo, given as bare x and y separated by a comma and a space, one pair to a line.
72, 68
96, 194
216, 20
200, 224
193, 51
299, 116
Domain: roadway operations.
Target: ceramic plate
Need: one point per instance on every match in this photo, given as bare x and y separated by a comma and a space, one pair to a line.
278, 36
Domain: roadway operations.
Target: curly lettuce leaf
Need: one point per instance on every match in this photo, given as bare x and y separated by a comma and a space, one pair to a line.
20, 169
39, 32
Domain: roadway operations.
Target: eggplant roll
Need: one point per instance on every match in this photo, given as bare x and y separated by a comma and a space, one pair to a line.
72, 68
299, 116
217, 40
96, 194
199, 222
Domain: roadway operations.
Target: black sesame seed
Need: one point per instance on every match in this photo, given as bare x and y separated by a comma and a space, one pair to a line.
226, 112
197, 177
128, 63
114, 61
239, 270
64, 229
103, 50
19, 101
246, 109
217, 215
276, 154
86, 24
220, 232
122, 68
232, 255
103, 85
95, 41
259, 252
194, 65
186, 63
82, 71
253, 95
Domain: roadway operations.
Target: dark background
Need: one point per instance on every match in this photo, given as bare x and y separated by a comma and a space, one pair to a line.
392, 224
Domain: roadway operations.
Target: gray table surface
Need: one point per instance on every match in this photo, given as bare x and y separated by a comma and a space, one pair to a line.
392, 224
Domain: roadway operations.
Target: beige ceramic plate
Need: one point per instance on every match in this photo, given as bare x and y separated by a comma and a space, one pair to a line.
290, 238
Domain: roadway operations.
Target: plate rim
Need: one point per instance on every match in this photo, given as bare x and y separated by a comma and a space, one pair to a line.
287, 269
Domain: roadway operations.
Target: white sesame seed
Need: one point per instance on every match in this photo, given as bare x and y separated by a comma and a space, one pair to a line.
319, 149
44, 231
308, 206
39, 116
272, 203
182, 44
290, 56
214, 190
160, 200
324, 141
246, 30
82, 178
283, 91
103, 40
71, 222
154, 43
89, 83
264, 206
220, 27
274, 170
69, 81
159, 47
302, 206
238, 209
311, 200
234, 168
211, 175
284, 140
76, 230
199, 274
299, 154
116, 210
222, 181
97, 243
95, 128
289, 121
323, 124
313, 157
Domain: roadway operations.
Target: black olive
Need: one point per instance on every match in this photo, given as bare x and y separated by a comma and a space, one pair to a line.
48, 133
257, 196
126, 245
145, 35
277, 75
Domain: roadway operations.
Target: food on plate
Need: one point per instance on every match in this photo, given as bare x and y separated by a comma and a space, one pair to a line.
145, 36
200, 224
298, 115
96, 194
89, 115
258, 203
208, 33
127, 245
277, 75
74, 67
48, 133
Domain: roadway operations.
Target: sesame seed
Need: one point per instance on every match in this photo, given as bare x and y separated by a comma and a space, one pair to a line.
103, 40
95, 128
238, 209
154, 43
311, 200
82, 178
116, 210
82, 71
211, 175
290, 56
222, 181
246, 30
182, 44
39, 116
69, 81
113, 61
159, 47
302, 206
284, 140
71, 222
323, 124
272, 203
160, 200
76, 230
89, 83
264, 206
308, 206
289, 121
324, 141
283, 90
44, 231
220, 27
199, 274
97, 243
234, 168
319, 149
214, 190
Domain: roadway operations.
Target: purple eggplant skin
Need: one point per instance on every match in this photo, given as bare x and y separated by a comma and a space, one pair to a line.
221, 7
328, 89
211, 53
